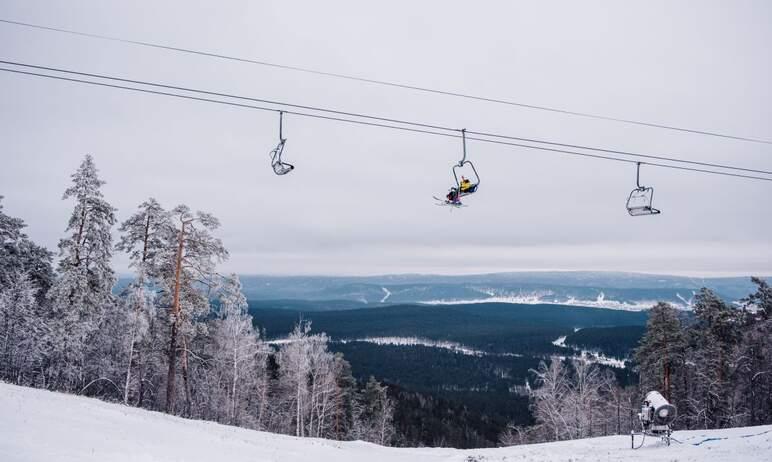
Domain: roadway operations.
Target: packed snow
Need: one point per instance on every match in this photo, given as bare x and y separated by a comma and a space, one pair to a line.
43, 426
560, 341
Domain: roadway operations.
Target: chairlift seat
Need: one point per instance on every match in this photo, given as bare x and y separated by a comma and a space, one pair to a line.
474, 180
639, 202
280, 167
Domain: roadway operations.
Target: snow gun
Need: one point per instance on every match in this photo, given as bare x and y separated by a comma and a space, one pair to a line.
656, 416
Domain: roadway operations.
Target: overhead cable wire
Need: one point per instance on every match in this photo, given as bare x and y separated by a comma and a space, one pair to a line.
374, 124
386, 83
382, 119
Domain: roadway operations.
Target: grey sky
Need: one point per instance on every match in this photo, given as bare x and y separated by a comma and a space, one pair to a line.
360, 200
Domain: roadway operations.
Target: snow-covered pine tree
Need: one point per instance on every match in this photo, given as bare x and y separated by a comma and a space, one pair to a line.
761, 300
374, 414
187, 274
713, 341
754, 358
343, 400
19, 255
82, 292
660, 354
25, 275
145, 238
21, 328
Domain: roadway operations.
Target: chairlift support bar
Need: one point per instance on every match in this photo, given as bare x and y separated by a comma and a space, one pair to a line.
281, 116
637, 174
463, 142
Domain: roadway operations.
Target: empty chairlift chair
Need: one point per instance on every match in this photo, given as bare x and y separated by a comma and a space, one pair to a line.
279, 166
639, 202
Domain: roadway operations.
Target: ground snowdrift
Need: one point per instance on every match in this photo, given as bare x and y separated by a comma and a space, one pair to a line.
37, 425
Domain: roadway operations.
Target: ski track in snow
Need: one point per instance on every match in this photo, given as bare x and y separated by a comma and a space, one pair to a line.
43, 426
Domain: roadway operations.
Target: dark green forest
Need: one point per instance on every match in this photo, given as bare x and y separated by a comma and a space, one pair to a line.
492, 327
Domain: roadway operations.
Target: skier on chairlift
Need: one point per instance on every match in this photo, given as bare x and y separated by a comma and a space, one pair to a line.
453, 196
467, 187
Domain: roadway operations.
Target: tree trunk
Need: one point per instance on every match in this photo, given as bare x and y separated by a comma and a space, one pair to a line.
185, 377
141, 377
175, 322
235, 378
128, 368
79, 236
299, 423
169, 408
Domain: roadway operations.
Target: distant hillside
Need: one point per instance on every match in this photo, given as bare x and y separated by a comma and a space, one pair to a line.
624, 291
628, 291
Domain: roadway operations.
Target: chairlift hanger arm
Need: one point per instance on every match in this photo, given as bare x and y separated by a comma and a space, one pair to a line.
463, 144
638, 175
281, 116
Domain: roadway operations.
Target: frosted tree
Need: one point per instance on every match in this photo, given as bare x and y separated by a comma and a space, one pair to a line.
374, 414
82, 291
20, 255
324, 388
549, 399
514, 435
145, 237
760, 302
187, 273
239, 356
21, 328
294, 361
587, 396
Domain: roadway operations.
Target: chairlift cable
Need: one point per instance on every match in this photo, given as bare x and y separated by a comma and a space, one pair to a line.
382, 119
624, 153
388, 83
374, 124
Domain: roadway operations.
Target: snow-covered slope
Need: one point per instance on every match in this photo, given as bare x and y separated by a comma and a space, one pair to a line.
37, 425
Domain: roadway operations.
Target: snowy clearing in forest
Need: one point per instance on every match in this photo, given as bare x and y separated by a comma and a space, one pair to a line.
416, 341
546, 297
588, 355
43, 426
584, 355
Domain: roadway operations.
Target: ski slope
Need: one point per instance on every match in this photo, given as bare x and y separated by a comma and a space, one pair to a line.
43, 426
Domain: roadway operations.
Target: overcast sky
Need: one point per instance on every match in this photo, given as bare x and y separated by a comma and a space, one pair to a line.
360, 200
